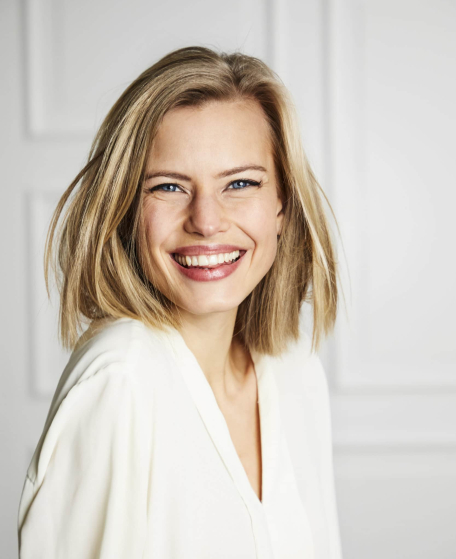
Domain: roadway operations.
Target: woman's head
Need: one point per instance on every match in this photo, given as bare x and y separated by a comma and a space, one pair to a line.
157, 180
210, 181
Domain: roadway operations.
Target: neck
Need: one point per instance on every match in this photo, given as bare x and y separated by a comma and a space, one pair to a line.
224, 361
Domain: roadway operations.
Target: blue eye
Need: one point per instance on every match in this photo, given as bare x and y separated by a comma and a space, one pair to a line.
244, 182
160, 186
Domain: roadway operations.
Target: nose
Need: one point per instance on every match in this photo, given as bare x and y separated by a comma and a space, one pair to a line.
207, 215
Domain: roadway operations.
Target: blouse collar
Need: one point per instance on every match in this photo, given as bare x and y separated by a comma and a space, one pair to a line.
215, 423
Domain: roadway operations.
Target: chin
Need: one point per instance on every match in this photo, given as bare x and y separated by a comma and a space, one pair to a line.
208, 307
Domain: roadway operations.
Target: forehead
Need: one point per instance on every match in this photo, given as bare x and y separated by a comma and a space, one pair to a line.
218, 134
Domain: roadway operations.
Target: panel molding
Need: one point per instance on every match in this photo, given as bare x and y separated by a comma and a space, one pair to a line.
47, 359
356, 370
44, 120
49, 118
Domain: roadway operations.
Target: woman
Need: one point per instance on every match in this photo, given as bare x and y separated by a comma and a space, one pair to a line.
192, 419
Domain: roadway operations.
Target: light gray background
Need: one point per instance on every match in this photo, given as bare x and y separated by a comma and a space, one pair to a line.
374, 82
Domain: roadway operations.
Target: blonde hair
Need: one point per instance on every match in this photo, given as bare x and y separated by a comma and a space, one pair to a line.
100, 261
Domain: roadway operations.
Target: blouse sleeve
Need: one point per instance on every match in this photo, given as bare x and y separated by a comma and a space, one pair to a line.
324, 428
88, 498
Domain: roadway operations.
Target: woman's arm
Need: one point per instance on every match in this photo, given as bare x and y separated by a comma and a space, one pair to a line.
89, 497
324, 429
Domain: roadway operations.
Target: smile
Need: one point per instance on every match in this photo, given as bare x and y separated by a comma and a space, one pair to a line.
208, 267
208, 260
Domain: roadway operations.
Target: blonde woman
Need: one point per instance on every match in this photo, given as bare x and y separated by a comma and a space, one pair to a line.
192, 420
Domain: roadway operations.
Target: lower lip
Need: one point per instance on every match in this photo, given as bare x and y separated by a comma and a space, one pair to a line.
209, 274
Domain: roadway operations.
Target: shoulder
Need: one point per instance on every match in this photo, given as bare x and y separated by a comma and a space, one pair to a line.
305, 402
101, 383
111, 348
114, 341
117, 361
121, 345
301, 368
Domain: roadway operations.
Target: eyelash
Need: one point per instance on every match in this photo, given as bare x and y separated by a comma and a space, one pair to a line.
251, 183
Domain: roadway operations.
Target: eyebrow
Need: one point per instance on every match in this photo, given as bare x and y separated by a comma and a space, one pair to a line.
221, 175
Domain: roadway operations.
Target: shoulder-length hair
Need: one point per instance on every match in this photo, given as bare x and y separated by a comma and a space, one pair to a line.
97, 254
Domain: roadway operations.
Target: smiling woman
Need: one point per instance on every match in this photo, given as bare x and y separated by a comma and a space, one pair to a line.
188, 245
212, 201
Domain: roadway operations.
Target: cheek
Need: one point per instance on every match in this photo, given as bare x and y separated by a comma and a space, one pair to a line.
259, 221
157, 223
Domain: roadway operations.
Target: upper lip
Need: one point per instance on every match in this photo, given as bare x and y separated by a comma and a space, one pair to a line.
195, 250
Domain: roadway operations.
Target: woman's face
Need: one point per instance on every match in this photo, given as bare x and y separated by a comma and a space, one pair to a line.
211, 182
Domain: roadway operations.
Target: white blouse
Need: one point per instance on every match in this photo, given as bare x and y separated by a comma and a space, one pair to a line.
136, 459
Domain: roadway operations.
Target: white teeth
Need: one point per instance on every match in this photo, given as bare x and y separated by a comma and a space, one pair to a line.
206, 260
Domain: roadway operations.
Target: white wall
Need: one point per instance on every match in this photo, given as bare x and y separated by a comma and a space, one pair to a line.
391, 90
374, 82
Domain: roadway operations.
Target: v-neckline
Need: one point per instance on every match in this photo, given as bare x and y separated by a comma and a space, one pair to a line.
216, 424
